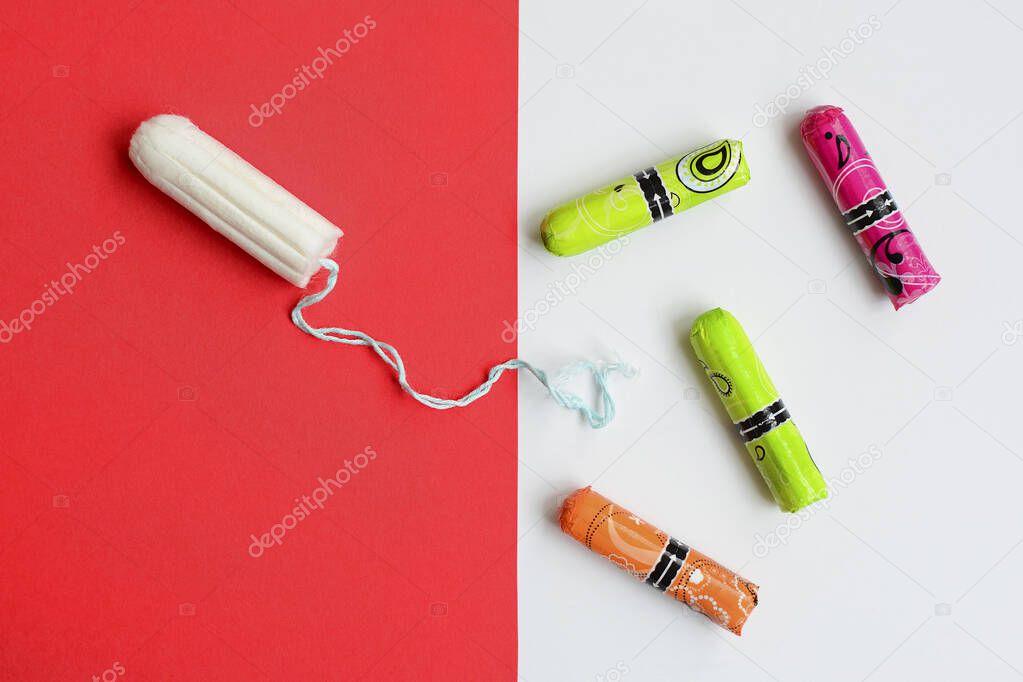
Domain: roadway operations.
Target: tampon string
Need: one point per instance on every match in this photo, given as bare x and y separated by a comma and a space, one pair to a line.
597, 418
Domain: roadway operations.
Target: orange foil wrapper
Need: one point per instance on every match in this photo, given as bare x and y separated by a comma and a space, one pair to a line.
651, 555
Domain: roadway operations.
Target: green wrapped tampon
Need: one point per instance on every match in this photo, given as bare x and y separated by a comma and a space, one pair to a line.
645, 197
760, 416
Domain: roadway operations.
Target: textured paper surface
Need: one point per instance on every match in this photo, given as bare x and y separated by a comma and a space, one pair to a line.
167, 410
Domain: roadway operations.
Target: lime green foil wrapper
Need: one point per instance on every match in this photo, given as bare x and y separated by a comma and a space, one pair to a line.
754, 406
645, 197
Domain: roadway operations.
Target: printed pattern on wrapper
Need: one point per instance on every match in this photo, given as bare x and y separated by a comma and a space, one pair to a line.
867, 206
647, 196
651, 555
755, 407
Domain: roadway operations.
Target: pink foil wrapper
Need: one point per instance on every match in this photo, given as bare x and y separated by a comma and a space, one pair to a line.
866, 204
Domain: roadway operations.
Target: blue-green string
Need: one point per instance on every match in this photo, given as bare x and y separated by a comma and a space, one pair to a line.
597, 418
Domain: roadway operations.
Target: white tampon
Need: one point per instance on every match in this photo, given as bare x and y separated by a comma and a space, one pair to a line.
234, 198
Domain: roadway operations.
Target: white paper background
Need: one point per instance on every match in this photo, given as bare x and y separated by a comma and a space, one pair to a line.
912, 570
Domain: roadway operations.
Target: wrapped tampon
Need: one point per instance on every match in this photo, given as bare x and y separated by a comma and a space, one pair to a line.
867, 205
293, 240
753, 404
651, 555
232, 197
645, 197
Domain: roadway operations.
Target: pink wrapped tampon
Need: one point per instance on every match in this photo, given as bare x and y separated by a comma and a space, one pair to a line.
866, 205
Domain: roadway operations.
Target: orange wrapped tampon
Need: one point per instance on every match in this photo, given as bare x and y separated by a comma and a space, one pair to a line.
658, 559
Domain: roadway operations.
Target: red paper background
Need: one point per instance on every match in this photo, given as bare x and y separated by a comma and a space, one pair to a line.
167, 409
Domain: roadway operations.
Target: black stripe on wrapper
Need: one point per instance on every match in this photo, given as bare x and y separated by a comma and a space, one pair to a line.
763, 421
668, 565
870, 212
657, 199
